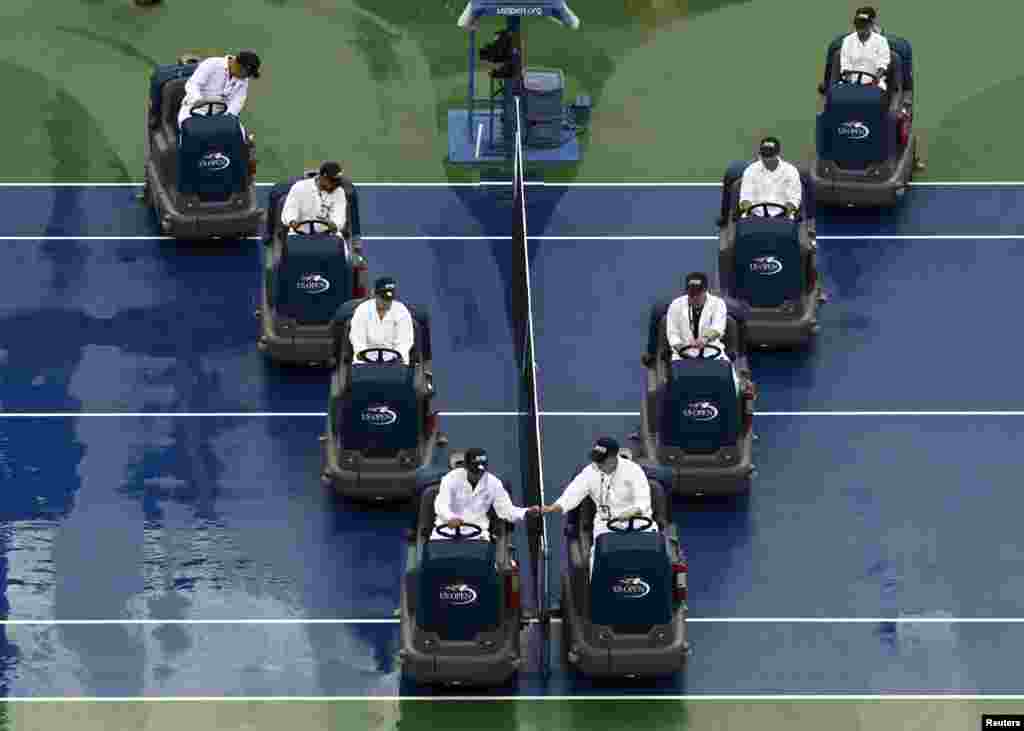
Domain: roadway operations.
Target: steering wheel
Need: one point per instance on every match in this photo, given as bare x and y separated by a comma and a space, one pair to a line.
708, 352
644, 521
847, 77
380, 355
456, 534
766, 207
213, 107
311, 225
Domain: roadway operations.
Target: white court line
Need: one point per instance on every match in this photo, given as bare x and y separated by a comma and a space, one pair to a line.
539, 184
806, 413
578, 414
652, 238
394, 620
248, 238
216, 414
507, 698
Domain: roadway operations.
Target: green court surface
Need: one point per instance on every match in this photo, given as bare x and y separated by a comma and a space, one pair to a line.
549, 715
679, 88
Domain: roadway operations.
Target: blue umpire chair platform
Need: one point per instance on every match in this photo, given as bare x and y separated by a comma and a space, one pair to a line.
483, 132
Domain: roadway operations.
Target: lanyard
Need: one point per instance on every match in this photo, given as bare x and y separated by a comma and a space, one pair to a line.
326, 205
606, 489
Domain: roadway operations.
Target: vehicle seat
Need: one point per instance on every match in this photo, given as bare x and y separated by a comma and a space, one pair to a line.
295, 295
631, 588
856, 109
213, 159
363, 416
767, 265
699, 409
459, 592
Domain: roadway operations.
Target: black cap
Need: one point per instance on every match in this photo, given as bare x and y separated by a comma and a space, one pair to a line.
868, 11
862, 19
696, 282
250, 62
385, 286
603, 448
331, 170
770, 147
476, 460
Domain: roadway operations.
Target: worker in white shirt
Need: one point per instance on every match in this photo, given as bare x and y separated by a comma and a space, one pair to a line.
618, 487
223, 78
697, 319
320, 198
467, 494
382, 322
770, 180
865, 49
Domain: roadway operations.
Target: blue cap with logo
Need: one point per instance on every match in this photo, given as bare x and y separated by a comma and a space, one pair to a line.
385, 287
476, 460
603, 448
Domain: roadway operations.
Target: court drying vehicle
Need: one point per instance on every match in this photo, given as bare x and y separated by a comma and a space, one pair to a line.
202, 188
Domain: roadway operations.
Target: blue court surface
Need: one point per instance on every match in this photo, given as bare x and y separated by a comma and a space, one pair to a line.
163, 531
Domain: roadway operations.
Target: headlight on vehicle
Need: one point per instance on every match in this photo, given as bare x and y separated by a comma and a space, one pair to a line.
787, 308
727, 455
349, 458
407, 459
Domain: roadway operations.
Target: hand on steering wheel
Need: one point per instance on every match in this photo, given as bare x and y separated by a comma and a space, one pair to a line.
787, 210
311, 226
704, 352
455, 532
629, 525
379, 355
213, 107
847, 77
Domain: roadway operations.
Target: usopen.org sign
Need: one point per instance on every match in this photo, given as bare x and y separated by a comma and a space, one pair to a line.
379, 416
520, 11
214, 161
853, 131
457, 595
701, 411
766, 265
631, 587
313, 283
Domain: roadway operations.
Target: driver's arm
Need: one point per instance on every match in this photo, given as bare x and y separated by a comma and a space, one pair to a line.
443, 501
340, 210
199, 77
794, 188
237, 99
290, 209
503, 505
718, 320
405, 333
357, 329
675, 325
575, 492
882, 54
748, 187
846, 54
642, 495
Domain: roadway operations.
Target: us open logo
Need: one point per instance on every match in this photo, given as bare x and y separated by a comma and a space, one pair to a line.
701, 411
766, 265
313, 283
214, 161
854, 130
379, 416
631, 587
458, 595
520, 11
